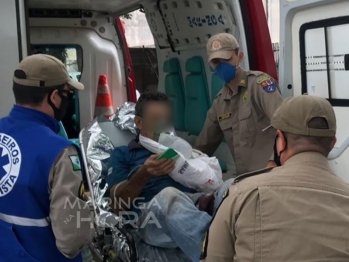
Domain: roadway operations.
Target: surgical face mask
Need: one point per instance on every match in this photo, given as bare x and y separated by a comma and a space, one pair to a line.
277, 155
60, 112
226, 72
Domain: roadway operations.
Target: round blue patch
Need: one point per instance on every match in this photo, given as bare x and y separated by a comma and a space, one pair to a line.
270, 88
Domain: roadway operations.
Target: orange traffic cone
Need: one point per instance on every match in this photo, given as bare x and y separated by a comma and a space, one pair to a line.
104, 104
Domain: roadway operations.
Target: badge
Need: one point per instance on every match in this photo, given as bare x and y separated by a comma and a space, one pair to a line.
75, 162
10, 163
243, 82
225, 116
81, 190
269, 86
245, 97
225, 194
216, 45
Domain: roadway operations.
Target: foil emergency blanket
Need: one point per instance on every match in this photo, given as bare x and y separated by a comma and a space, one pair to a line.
124, 117
98, 150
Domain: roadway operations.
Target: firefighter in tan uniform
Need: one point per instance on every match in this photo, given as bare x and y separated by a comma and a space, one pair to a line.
242, 110
296, 212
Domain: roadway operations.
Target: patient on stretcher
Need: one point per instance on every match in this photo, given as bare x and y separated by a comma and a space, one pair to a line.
177, 189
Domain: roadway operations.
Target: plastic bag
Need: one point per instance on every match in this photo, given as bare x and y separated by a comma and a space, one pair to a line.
199, 171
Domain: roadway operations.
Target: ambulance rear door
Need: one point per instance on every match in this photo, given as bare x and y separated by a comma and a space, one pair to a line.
13, 47
314, 59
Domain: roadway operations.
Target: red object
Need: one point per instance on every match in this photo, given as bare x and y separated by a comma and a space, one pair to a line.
130, 74
104, 103
261, 49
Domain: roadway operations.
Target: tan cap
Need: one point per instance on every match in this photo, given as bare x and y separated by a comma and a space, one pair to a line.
295, 113
220, 46
43, 71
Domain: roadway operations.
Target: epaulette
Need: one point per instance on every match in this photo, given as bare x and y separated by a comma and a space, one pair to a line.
253, 173
255, 73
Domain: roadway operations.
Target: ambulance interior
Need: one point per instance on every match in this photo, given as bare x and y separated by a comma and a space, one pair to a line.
92, 31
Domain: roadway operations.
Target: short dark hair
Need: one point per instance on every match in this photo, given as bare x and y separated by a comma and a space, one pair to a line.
323, 142
32, 95
145, 98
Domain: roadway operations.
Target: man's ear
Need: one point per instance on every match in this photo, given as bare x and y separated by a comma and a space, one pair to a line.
138, 122
54, 97
334, 142
282, 143
241, 56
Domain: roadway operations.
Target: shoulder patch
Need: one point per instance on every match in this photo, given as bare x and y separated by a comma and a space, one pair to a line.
75, 160
203, 254
268, 85
250, 174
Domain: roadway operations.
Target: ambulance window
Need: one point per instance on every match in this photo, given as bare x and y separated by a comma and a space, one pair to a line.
71, 56
137, 30
324, 51
141, 44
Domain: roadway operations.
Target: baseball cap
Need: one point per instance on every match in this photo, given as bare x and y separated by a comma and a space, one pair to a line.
295, 113
43, 71
220, 46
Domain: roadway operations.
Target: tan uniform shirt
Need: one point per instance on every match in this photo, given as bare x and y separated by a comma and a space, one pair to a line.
69, 214
240, 117
297, 212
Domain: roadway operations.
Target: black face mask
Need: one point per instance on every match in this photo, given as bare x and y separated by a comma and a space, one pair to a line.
276, 155
59, 113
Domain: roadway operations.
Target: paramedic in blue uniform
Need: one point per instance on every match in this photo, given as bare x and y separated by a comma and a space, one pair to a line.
241, 110
43, 216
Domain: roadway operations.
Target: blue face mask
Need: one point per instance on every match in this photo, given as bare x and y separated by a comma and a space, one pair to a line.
226, 71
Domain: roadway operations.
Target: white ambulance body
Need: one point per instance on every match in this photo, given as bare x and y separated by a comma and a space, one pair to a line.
313, 51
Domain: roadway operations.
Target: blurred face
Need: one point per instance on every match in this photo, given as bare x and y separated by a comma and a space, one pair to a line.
157, 118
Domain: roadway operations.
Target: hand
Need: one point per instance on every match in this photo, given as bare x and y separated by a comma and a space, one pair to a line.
155, 167
271, 164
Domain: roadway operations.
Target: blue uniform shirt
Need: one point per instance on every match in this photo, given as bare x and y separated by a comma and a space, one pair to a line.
126, 160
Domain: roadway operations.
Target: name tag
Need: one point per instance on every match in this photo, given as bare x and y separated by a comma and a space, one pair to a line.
225, 116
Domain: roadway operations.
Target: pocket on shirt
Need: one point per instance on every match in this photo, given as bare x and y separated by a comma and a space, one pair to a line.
226, 125
245, 128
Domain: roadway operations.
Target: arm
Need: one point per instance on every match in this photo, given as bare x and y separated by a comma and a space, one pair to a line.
125, 192
211, 134
69, 214
269, 102
219, 245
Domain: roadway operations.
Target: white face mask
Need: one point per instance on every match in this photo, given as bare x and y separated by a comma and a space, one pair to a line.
167, 141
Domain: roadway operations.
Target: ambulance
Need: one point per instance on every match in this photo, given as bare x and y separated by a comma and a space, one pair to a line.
313, 53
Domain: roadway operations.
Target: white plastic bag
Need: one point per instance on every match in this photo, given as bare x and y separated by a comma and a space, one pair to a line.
199, 171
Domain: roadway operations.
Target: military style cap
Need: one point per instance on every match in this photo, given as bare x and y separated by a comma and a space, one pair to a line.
295, 113
220, 46
43, 71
